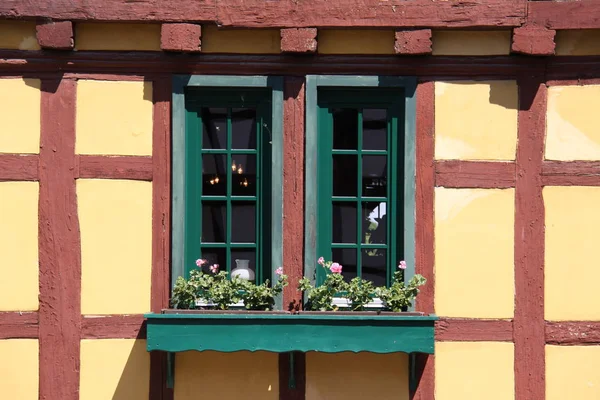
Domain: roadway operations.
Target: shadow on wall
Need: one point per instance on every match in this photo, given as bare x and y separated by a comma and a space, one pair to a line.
134, 381
504, 95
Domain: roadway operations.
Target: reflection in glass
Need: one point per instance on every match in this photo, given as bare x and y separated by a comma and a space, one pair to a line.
243, 175
344, 222
374, 223
214, 128
243, 222
214, 175
374, 176
346, 257
243, 128
374, 129
214, 256
345, 128
214, 221
374, 266
344, 175
244, 255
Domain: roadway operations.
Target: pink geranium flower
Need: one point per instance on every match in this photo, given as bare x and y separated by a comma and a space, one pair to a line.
200, 262
279, 271
402, 264
214, 268
336, 268
321, 260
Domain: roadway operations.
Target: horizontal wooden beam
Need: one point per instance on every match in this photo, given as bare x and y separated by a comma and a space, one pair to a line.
573, 332
17, 167
475, 174
571, 173
282, 13
580, 14
473, 330
18, 325
108, 167
113, 327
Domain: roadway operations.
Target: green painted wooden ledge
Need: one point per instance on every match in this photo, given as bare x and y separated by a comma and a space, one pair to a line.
280, 333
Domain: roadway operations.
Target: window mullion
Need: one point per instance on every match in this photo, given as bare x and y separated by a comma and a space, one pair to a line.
391, 189
228, 201
359, 194
258, 206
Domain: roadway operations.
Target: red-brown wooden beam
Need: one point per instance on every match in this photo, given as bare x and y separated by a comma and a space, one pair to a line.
581, 14
59, 245
108, 167
18, 325
19, 167
283, 13
533, 40
113, 327
473, 330
55, 35
475, 174
528, 323
571, 173
573, 333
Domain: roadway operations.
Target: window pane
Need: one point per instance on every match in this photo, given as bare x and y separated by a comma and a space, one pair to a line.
243, 222
243, 262
374, 264
214, 225
346, 257
374, 176
345, 128
374, 129
344, 222
243, 175
374, 223
214, 128
243, 128
214, 175
214, 256
344, 175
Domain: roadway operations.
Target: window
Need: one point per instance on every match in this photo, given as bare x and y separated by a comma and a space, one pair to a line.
361, 205
226, 174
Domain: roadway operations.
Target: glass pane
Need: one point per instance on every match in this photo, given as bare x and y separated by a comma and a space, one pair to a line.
243, 264
374, 223
344, 175
374, 176
344, 222
214, 128
214, 225
346, 257
374, 262
345, 128
214, 175
243, 222
243, 175
214, 256
243, 128
374, 129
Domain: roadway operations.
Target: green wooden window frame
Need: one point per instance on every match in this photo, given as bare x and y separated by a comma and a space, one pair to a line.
397, 96
191, 95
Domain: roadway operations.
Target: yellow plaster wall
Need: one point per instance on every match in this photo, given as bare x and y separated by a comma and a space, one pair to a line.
572, 130
242, 41
227, 376
571, 267
115, 369
111, 36
114, 118
471, 43
572, 372
20, 124
476, 120
19, 246
356, 41
18, 35
474, 253
585, 42
474, 371
356, 376
115, 219
19, 368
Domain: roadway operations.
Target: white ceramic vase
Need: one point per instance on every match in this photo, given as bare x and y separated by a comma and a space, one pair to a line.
242, 270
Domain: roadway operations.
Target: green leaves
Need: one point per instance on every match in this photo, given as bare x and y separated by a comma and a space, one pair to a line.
400, 296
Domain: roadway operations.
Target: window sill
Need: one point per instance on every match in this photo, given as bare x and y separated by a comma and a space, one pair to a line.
280, 332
